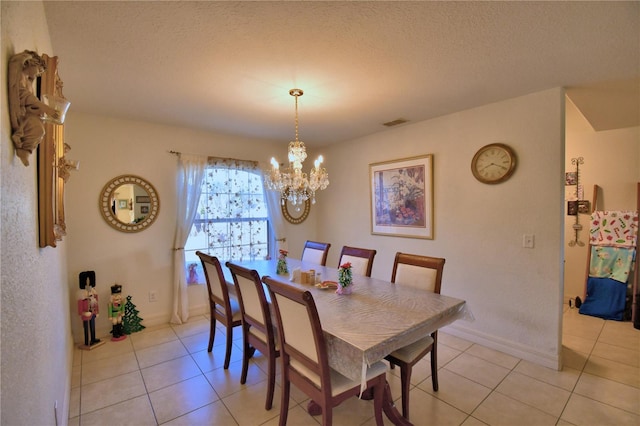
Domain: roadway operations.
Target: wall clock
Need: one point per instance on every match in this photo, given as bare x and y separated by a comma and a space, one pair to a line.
295, 214
493, 163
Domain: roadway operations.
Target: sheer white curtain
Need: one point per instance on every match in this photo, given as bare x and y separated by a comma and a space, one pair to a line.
279, 239
191, 171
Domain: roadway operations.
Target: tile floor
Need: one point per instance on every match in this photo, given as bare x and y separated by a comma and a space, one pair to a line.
164, 376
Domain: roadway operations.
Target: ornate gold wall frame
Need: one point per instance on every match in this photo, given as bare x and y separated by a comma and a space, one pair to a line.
295, 214
53, 166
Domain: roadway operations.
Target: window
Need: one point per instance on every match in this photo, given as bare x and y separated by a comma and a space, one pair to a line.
232, 221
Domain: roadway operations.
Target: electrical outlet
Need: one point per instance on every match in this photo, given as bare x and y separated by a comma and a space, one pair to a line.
153, 296
528, 241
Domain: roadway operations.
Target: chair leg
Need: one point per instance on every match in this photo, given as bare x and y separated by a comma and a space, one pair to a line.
434, 369
212, 332
284, 402
327, 415
246, 354
405, 380
271, 381
227, 355
378, 396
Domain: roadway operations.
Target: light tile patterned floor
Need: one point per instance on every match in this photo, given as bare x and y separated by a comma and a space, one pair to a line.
164, 376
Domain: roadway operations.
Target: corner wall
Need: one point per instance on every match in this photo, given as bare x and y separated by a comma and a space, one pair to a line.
515, 293
141, 262
36, 340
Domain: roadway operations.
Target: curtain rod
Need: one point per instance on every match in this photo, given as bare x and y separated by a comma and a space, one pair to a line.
178, 153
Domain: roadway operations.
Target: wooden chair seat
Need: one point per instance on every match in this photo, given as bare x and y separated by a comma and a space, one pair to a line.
411, 352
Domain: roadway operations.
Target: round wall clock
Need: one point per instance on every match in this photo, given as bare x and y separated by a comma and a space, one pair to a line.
295, 214
493, 163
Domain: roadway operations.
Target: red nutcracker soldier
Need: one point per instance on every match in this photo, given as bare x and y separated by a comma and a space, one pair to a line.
116, 312
88, 307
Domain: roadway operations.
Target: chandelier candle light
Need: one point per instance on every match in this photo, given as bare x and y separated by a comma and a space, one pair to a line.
292, 184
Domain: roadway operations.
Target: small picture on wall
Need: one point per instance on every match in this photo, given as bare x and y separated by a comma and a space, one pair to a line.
570, 178
584, 206
572, 208
144, 209
123, 204
143, 199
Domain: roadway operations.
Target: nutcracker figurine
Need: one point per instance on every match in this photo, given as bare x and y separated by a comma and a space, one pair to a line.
88, 308
116, 312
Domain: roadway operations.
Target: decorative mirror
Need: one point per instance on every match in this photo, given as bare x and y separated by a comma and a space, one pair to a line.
129, 203
295, 214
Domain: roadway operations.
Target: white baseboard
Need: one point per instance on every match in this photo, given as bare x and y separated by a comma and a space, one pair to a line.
528, 353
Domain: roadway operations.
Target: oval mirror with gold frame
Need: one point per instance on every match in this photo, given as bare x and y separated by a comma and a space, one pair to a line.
295, 214
129, 203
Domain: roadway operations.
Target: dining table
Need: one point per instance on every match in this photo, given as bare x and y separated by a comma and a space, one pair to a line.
363, 327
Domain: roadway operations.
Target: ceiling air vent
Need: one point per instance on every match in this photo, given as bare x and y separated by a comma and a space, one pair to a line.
395, 122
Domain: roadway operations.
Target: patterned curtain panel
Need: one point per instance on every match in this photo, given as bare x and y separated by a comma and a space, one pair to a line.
232, 221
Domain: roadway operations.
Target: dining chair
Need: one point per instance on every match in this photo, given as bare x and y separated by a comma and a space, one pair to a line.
258, 330
304, 358
422, 272
222, 306
315, 252
361, 259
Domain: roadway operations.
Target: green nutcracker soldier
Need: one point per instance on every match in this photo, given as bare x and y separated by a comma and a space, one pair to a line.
116, 312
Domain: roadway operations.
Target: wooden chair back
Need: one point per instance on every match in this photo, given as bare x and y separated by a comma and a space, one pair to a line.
258, 331
255, 309
305, 362
422, 272
361, 259
222, 307
316, 252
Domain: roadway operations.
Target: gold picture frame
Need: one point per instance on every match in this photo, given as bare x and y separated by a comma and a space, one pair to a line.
53, 167
402, 197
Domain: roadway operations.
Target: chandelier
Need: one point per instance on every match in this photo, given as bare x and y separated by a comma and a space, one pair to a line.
292, 184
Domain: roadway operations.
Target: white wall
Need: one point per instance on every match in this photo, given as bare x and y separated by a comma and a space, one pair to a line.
514, 293
36, 339
140, 262
611, 161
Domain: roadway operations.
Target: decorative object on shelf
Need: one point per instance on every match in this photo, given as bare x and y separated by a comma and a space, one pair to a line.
120, 211
402, 197
88, 309
26, 110
131, 320
573, 206
345, 279
116, 313
494, 163
292, 184
282, 268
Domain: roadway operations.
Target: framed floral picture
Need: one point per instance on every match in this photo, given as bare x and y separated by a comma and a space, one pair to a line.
402, 197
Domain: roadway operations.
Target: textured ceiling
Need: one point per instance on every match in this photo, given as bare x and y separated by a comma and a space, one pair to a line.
228, 66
